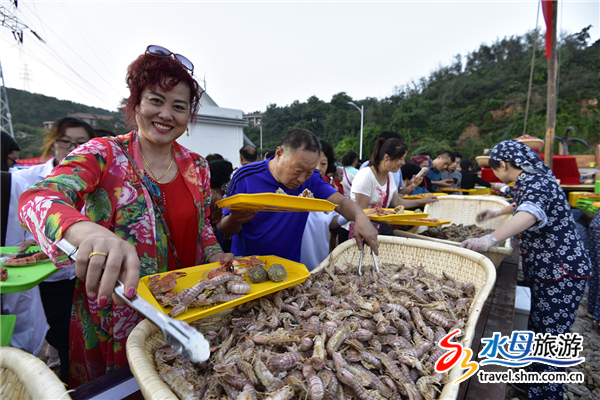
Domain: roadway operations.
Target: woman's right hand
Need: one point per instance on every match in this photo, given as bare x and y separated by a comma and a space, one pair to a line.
416, 181
487, 214
102, 258
430, 199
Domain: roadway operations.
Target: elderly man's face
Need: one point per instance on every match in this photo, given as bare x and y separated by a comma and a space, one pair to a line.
293, 169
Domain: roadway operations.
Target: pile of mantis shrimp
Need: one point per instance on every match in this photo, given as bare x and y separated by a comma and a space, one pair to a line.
338, 335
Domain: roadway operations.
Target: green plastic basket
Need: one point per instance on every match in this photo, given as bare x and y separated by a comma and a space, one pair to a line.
7, 325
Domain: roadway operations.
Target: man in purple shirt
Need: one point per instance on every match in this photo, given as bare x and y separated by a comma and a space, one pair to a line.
292, 169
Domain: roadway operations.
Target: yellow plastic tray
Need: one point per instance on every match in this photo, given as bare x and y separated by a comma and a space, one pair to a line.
296, 272
423, 223
422, 196
575, 196
396, 217
274, 202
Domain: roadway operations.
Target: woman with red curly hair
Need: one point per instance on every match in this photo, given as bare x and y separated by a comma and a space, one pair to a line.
146, 201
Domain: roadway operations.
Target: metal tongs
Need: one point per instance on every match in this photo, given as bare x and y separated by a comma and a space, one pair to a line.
178, 334
362, 252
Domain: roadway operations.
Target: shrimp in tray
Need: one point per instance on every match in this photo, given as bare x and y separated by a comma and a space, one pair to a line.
238, 266
25, 259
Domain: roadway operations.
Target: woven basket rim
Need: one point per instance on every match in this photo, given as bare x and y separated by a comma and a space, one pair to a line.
449, 391
490, 198
505, 249
142, 368
39, 381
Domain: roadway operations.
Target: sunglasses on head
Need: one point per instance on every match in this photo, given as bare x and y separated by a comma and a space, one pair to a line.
160, 51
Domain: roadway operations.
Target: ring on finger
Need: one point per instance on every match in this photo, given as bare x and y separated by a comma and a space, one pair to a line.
96, 253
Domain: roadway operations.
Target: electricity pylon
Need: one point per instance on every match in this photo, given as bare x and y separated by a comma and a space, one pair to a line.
10, 21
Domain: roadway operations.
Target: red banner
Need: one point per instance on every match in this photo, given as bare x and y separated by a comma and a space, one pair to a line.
547, 9
30, 162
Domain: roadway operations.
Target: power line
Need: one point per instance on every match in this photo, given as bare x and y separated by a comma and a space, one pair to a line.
57, 54
73, 85
106, 55
95, 91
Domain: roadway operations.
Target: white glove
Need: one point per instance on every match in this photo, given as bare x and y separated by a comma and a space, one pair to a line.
488, 213
480, 244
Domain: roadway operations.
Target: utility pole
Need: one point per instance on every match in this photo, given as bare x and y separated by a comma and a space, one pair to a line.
551, 91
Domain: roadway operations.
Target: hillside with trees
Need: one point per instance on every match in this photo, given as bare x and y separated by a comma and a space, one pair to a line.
30, 110
472, 104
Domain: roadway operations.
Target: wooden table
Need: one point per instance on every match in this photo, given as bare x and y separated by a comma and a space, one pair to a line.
581, 188
496, 316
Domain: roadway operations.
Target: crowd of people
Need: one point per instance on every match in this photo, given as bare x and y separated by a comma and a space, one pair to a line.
140, 203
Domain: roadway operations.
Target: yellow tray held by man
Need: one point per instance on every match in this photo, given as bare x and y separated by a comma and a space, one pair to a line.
296, 273
274, 202
394, 217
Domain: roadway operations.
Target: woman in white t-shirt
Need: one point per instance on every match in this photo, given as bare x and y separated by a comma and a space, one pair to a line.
375, 186
316, 238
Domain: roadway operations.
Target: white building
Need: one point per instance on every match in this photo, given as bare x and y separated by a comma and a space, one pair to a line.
218, 130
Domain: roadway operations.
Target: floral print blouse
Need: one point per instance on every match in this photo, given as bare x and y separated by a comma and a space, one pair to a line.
98, 177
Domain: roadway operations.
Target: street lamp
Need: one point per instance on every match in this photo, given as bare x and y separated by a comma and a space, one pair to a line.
361, 110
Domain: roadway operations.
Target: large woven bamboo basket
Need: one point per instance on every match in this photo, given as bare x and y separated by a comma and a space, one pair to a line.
24, 376
140, 348
463, 210
463, 265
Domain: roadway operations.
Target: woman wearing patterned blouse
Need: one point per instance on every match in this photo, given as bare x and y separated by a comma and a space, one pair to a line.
555, 263
146, 200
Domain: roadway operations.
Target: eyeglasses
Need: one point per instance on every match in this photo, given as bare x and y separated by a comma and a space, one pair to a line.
159, 51
66, 144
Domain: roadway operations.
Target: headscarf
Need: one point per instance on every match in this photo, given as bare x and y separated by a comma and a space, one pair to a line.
8, 146
522, 155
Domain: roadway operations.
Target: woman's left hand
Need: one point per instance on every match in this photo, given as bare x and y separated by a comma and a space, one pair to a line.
222, 257
480, 244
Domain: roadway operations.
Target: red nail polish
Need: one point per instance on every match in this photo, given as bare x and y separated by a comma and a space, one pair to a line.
131, 292
91, 295
102, 302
